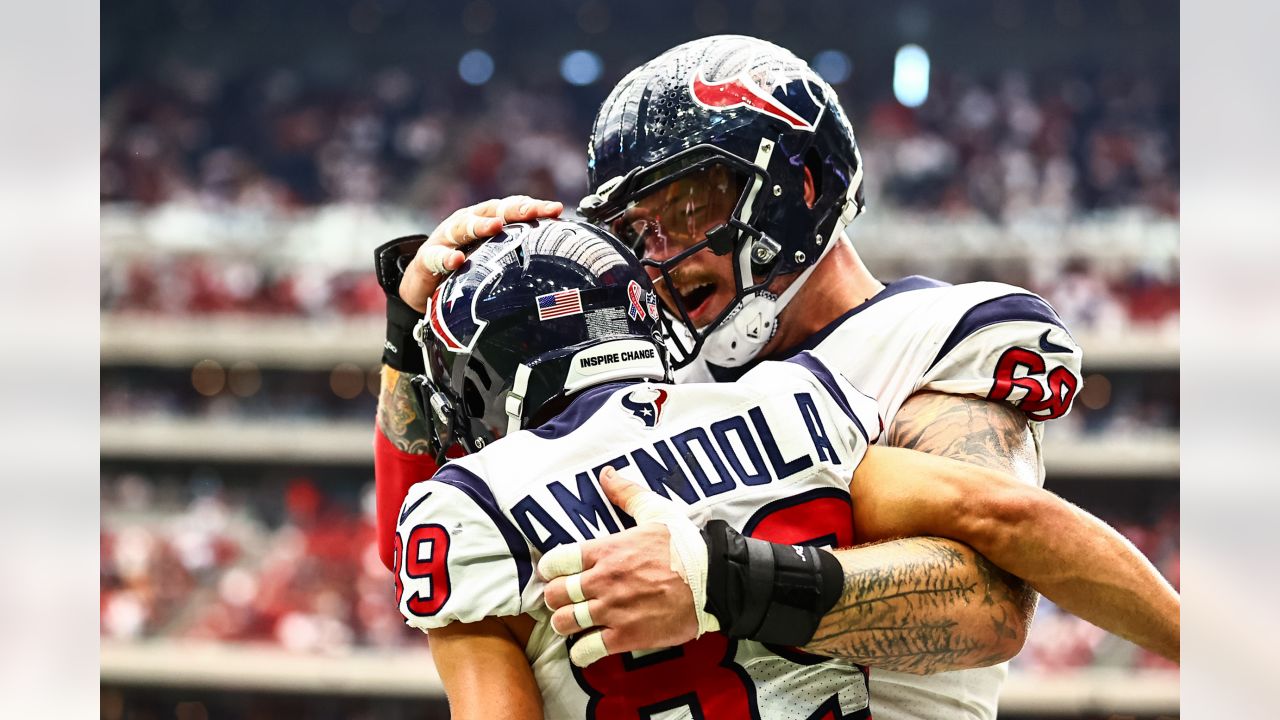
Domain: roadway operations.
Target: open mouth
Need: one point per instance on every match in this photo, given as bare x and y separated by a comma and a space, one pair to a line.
697, 299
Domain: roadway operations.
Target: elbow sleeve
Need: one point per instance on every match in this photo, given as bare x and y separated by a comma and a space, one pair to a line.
394, 472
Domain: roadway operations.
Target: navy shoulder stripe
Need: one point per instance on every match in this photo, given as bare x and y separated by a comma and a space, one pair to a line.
823, 373
580, 409
1006, 308
897, 287
476, 489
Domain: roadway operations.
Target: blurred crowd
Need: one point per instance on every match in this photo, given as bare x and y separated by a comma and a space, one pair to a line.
203, 285
1113, 403
1089, 298
1051, 145
274, 142
279, 562
254, 194
292, 562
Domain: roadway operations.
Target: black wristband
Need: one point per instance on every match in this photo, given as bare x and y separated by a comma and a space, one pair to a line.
765, 591
401, 350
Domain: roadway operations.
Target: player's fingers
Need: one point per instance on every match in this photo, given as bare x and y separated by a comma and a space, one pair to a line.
589, 648
488, 208
561, 560
520, 208
569, 589
625, 494
439, 259
535, 209
465, 229
573, 619
513, 207
445, 232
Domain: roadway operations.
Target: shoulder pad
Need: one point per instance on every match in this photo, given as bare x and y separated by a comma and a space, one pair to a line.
1010, 348
458, 558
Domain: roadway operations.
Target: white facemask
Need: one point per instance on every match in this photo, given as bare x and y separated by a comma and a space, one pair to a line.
745, 332
752, 324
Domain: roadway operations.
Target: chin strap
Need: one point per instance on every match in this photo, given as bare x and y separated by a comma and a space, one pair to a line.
515, 399
752, 325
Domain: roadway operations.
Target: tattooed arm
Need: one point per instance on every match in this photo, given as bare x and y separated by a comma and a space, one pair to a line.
1081, 563
922, 605
401, 454
926, 605
400, 416
919, 603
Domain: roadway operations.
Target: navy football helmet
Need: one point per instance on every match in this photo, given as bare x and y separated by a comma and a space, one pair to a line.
756, 110
537, 313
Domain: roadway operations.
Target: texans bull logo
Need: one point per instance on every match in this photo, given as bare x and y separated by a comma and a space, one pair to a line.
797, 107
645, 404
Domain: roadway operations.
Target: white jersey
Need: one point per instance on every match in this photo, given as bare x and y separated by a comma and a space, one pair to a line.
986, 339
772, 456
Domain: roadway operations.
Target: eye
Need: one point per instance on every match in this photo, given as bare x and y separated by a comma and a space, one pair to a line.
632, 231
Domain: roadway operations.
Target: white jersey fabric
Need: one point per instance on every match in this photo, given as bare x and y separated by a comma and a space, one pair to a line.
771, 455
986, 339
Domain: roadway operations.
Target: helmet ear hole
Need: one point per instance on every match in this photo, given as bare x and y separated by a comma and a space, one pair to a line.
813, 172
472, 400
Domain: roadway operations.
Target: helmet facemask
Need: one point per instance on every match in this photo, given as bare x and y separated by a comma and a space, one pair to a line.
758, 109
459, 395
702, 200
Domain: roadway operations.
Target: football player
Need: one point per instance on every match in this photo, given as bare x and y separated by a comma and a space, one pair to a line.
732, 169
544, 361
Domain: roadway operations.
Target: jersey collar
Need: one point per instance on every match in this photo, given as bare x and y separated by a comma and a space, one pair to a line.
580, 409
897, 287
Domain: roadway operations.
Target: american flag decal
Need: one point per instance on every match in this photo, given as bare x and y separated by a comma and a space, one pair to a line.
559, 304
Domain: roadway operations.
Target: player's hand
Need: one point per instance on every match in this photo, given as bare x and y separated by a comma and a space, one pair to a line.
442, 253
639, 589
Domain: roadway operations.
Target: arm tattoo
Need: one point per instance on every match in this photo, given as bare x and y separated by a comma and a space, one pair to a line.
925, 605
993, 435
400, 415
901, 606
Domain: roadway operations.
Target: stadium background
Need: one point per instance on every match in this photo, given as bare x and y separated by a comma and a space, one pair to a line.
252, 154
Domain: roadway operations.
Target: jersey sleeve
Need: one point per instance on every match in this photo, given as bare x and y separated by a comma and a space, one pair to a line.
458, 558
1012, 348
858, 411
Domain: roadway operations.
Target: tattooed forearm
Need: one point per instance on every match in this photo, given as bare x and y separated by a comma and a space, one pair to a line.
929, 605
993, 435
920, 605
926, 605
400, 414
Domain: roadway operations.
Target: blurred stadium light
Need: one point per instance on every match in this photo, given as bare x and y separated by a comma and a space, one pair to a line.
475, 67
581, 67
833, 65
911, 75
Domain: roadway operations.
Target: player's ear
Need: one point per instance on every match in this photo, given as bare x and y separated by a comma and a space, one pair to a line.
810, 194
